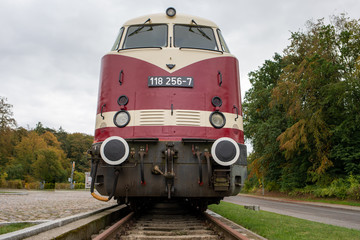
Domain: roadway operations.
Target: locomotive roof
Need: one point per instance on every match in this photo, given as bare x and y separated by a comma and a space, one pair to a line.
177, 19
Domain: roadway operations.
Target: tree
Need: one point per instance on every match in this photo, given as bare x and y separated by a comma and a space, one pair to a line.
263, 124
77, 146
7, 122
302, 112
315, 91
25, 154
6, 115
36, 156
47, 166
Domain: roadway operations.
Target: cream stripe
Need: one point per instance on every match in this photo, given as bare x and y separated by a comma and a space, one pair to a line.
181, 58
163, 117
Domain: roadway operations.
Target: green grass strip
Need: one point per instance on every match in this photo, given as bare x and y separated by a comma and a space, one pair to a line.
341, 202
14, 227
277, 226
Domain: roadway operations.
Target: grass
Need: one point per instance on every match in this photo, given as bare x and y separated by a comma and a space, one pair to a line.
276, 226
14, 227
332, 201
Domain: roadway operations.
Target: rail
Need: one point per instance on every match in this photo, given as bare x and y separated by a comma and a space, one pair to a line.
175, 221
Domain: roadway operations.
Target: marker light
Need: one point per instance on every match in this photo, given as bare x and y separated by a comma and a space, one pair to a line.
123, 100
171, 12
216, 101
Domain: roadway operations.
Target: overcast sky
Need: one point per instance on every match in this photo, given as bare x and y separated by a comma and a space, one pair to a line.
50, 50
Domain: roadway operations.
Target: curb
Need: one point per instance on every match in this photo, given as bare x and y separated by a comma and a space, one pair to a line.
31, 231
318, 204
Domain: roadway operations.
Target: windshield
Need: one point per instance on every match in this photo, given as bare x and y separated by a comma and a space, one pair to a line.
194, 36
143, 36
117, 41
222, 42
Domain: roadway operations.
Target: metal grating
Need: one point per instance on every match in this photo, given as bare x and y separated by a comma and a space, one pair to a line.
152, 117
187, 118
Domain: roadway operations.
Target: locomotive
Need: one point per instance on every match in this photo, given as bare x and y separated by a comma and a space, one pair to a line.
169, 118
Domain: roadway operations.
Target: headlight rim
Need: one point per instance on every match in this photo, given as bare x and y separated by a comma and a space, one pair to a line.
118, 161
223, 117
215, 103
120, 99
219, 161
170, 12
127, 122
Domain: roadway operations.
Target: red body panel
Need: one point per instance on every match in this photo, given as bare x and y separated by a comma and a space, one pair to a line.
134, 85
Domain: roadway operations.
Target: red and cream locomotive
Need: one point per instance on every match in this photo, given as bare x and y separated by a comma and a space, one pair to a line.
169, 121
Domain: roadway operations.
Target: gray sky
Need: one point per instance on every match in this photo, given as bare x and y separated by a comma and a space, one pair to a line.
50, 50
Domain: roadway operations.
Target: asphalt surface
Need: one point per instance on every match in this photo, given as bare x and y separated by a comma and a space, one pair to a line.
339, 215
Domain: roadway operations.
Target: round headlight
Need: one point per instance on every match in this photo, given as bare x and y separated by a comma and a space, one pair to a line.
121, 118
114, 150
170, 11
225, 151
217, 119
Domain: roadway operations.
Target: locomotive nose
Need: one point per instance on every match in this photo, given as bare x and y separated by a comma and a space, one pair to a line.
114, 150
225, 151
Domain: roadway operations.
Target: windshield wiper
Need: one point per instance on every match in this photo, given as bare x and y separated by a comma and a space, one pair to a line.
200, 30
139, 28
123, 49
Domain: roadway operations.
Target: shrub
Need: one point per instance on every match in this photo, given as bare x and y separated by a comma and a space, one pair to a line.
354, 190
338, 189
80, 186
32, 185
49, 185
15, 184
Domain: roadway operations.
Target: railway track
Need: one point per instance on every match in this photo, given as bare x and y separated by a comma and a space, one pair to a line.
162, 221
174, 221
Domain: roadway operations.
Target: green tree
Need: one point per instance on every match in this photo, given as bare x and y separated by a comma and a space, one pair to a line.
7, 122
6, 115
47, 166
264, 123
30, 156
25, 155
302, 112
77, 146
79, 177
314, 90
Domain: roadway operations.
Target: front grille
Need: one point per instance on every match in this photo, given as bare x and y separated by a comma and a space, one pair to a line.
152, 118
168, 118
187, 118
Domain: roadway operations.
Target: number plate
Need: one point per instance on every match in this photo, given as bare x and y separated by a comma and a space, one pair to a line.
164, 81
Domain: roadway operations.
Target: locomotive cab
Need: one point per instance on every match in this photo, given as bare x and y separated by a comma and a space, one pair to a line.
169, 120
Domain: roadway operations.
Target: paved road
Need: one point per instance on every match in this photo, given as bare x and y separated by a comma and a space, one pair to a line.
23, 205
325, 213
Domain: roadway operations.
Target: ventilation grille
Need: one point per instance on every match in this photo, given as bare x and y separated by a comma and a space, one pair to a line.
187, 118
152, 117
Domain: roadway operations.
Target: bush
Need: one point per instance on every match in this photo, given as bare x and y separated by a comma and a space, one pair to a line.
250, 185
49, 185
32, 185
341, 188
80, 186
3, 182
62, 186
337, 189
15, 184
354, 190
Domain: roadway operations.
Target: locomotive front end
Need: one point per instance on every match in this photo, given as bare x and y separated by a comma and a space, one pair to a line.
169, 120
